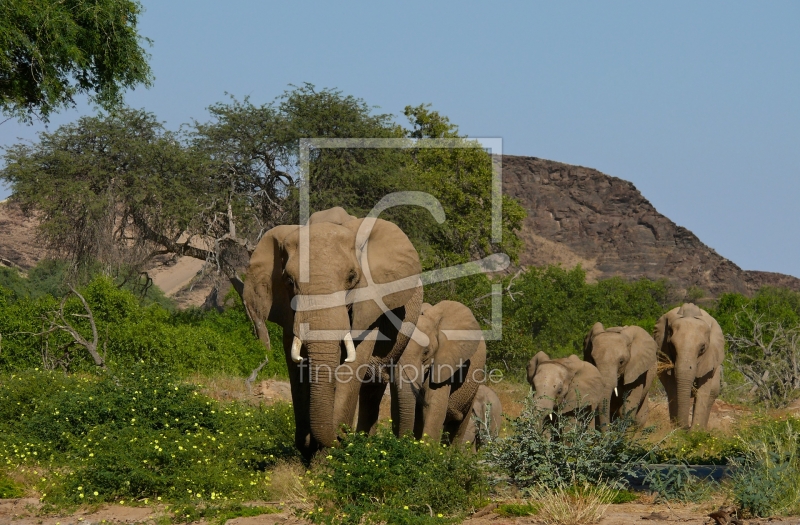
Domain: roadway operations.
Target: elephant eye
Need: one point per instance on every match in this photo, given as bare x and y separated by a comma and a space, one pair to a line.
702, 348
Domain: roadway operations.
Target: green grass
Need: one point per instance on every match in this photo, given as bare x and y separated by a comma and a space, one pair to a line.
515, 510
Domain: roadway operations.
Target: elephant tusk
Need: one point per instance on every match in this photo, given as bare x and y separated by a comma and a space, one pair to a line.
351, 348
551, 416
296, 345
616, 394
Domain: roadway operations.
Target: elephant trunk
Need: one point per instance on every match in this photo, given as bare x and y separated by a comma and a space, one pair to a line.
403, 421
684, 377
328, 329
545, 404
610, 376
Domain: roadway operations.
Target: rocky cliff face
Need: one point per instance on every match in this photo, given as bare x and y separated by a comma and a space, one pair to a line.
579, 215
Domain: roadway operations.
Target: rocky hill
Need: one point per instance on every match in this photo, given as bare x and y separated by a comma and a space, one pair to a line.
576, 215
579, 215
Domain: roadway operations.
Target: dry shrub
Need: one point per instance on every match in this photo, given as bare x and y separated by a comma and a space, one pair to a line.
286, 483
572, 505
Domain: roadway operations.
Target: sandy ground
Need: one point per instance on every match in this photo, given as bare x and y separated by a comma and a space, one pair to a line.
25, 512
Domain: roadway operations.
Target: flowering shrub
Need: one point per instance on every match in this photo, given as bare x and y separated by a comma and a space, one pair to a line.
383, 479
137, 435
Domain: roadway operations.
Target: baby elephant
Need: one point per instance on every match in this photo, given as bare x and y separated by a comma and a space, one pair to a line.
626, 359
438, 381
568, 383
485, 418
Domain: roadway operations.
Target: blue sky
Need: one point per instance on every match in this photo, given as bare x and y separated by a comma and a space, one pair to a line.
696, 103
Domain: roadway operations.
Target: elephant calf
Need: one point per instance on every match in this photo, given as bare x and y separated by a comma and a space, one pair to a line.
625, 356
485, 418
439, 380
692, 348
568, 383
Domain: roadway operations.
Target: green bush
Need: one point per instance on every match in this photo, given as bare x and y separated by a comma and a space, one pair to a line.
767, 482
384, 479
677, 483
181, 342
138, 434
566, 452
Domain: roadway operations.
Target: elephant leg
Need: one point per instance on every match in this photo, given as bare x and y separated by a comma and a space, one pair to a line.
644, 410
369, 405
434, 410
671, 387
707, 393
349, 379
299, 382
464, 431
418, 420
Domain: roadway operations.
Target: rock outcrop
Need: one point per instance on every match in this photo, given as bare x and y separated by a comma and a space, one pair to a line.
580, 215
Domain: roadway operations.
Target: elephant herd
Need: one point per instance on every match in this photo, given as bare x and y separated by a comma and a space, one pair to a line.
620, 363
348, 294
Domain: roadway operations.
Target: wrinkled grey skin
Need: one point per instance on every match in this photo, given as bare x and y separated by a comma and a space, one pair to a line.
568, 383
486, 417
443, 375
692, 346
625, 356
327, 398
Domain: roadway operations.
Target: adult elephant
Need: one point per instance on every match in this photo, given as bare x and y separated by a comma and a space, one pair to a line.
692, 347
347, 303
441, 377
567, 383
625, 356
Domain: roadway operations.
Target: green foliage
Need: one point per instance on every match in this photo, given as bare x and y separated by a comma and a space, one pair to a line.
624, 496
55, 50
770, 305
9, 488
181, 342
566, 452
553, 309
46, 278
384, 479
767, 481
515, 510
698, 447
135, 434
217, 514
677, 483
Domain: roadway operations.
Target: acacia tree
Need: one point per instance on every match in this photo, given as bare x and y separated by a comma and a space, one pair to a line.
120, 189
53, 50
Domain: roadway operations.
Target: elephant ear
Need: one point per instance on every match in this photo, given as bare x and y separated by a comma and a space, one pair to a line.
534, 364
715, 353
662, 325
643, 352
454, 349
265, 294
387, 257
587, 342
586, 382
